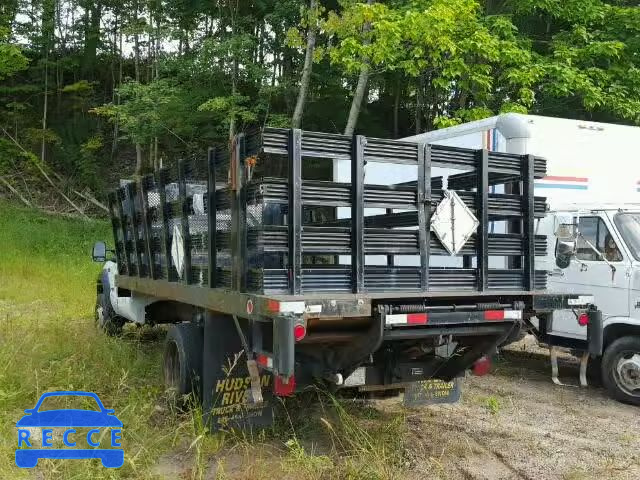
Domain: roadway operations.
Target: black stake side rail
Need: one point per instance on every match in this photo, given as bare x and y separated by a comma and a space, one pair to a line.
419, 196
118, 231
321, 193
150, 246
295, 210
387, 279
125, 226
212, 243
326, 145
482, 213
528, 221
377, 241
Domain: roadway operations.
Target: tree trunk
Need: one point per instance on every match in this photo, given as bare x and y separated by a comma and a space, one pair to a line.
232, 119
418, 111
92, 35
136, 42
155, 154
396, 109
356, 102
48, 29
296, 121
138, 159
44, 107
234, 73
116, 123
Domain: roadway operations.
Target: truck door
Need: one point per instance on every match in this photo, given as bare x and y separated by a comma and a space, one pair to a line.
589, 273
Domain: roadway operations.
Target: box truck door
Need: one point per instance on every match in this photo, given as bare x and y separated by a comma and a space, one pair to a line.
589, 273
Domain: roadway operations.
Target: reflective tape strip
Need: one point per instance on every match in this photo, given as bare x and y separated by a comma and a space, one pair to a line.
407, 319
275, 306
417, 318
581, 300
314, 309
493, 315
264, 360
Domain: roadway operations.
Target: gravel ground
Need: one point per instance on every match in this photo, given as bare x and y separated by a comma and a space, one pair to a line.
516, 424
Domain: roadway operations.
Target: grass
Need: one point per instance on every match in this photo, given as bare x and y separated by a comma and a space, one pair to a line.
492, 404
48, 342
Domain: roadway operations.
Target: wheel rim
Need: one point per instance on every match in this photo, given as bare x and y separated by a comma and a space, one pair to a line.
172, 367
627, 372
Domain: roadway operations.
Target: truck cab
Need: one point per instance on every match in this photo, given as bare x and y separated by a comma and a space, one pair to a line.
604, 259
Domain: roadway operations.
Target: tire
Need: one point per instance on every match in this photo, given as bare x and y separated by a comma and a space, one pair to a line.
621, 369
105, 316
182, 360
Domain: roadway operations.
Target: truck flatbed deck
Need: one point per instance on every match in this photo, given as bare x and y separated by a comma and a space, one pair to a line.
345, 305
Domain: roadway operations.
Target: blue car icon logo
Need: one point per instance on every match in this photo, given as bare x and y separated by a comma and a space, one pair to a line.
66, 421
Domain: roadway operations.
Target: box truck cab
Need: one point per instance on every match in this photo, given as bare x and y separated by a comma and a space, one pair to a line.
604, 259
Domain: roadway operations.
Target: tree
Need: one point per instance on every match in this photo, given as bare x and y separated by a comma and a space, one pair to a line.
145, 113
12, 60
173, 77
311, 24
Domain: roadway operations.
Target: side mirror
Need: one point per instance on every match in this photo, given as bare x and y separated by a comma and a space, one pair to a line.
565, 250
567, 232
99, 253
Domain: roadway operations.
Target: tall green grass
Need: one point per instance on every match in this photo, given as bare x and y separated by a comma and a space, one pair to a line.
48, 342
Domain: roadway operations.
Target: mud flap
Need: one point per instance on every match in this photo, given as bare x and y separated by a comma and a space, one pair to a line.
227, 382
431, 392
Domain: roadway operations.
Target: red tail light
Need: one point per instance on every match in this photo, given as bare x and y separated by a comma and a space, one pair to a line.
583, 319
481, 366
299, 332
282, 389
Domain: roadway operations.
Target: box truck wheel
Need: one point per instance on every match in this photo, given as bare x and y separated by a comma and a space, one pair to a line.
182, 360
105, 316
621, 369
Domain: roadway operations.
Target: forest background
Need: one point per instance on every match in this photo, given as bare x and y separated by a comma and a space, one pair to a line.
95, 90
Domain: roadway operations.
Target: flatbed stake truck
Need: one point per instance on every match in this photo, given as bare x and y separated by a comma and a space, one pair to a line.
274, 276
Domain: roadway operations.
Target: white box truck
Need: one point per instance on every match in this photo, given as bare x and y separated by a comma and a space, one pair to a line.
592, 183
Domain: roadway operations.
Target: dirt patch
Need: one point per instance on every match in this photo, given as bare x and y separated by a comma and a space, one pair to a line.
515, 424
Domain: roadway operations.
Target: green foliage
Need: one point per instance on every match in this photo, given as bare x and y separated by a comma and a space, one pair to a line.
82, 87
12, 59
145, 111
230, 107
449, 42
205, 67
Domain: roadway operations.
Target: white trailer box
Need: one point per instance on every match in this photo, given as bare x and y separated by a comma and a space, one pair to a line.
586, 161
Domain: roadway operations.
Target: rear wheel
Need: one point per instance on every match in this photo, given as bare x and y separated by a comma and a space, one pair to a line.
182, 360
621, 369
